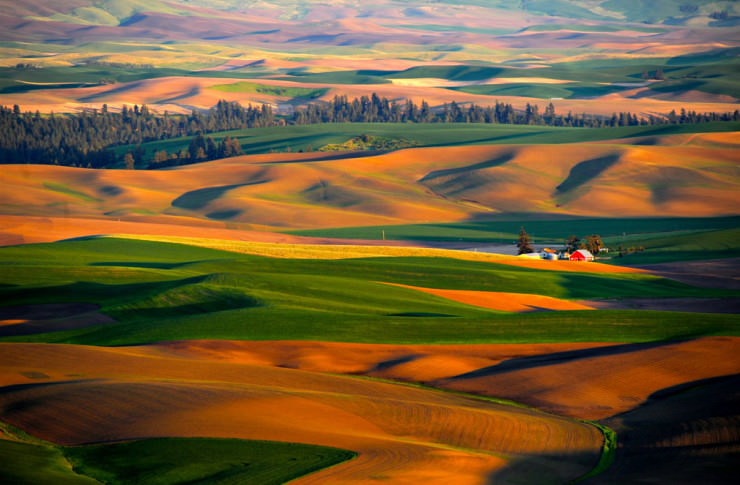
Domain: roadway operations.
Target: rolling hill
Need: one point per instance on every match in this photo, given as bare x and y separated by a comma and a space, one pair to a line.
683, 176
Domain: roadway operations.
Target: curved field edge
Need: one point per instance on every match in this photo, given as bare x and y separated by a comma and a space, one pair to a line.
163, 461
608, 449
608, 452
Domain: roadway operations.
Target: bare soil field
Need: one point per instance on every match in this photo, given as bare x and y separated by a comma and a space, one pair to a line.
674, 408
683, 434
506, 302
445, 184
588, 381
138, 392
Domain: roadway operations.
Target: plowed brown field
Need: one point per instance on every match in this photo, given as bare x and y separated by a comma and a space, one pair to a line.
696, 178
81, 394
505, 302
588, 381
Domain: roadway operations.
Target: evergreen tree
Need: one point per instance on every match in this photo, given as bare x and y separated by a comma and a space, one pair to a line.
524, 245
128, 160
594, 244
572, 243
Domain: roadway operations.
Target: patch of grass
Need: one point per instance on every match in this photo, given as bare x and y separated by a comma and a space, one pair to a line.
368, 142
452, 73
286, 91
204, 293
543, 91
296, 138
66, 190
164, 461
696, 245
548, 229
593, 28
26, 463
335, 77
608, 452
451, 28
531, 90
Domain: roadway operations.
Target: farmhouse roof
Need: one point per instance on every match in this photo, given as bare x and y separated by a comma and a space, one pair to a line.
585, 253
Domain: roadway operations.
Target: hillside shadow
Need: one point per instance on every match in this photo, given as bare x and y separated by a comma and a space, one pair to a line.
586, 171
687, 433
494, 162
486, 140
197, 199
556, 358
329, 156
188, 94
544, 469
117, 90
84, 291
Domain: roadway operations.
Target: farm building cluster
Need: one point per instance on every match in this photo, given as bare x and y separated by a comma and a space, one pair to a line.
551, 254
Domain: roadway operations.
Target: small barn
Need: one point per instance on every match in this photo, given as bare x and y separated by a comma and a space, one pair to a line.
582, 255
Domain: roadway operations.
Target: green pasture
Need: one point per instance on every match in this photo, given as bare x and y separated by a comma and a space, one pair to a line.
662, 239
665, 248
298, 138
543, 91
164, 461
714, 64
159, 291
288, 91
30, 464
542, 228
594, 28
334, 77
452, 28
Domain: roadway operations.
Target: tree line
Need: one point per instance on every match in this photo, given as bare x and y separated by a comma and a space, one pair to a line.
85, 139
592, 243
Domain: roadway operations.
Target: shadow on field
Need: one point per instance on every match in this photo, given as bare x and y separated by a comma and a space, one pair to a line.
544, 469
556, 358
50, 317
585, 171
197, 199
330, 156
478, 166
689, 433
146, 264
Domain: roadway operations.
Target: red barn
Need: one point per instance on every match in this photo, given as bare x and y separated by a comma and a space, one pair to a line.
582, 255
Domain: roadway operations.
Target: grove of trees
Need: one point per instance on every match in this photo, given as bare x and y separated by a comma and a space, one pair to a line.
85, 139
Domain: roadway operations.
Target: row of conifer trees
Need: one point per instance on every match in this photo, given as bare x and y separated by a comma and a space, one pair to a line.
85, 139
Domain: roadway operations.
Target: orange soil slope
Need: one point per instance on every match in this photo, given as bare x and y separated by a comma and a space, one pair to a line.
586, 380
502, 301
401, 433
407, 186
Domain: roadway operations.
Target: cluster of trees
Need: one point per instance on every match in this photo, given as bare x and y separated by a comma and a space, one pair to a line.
658, 75
84, 139
592, 243
374, 109
201, 149
632, 249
